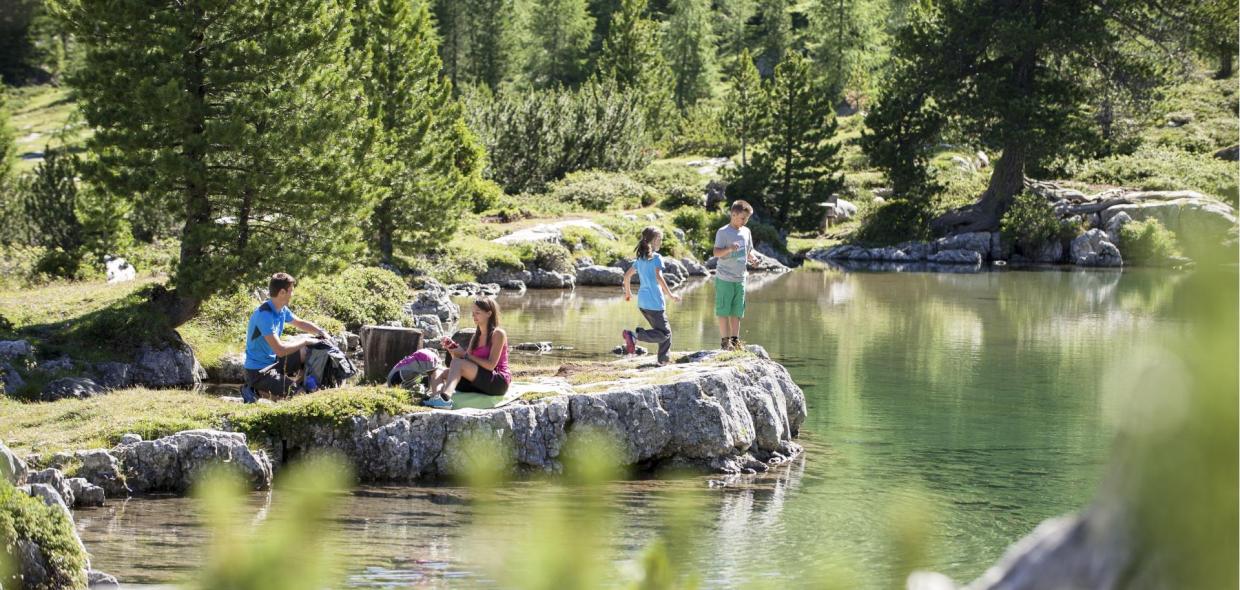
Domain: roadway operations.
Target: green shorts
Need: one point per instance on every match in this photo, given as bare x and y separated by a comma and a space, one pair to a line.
729, 299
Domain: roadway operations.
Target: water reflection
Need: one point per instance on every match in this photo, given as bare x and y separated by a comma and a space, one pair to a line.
978, 392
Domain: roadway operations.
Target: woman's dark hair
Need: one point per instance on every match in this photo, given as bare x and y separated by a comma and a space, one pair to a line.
488, 305
644, 251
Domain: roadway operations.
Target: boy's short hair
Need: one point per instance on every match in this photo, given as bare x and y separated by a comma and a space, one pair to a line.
279, 282
739, 206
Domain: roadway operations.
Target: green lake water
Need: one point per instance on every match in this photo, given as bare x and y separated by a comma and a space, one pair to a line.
976, 397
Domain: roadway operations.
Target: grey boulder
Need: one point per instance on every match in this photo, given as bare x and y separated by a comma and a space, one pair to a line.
956, 256
1093, 249
171, 366
599, 276
12, 468
434, 302
85, 493
71, 387
550, 279
101, 468
172, 463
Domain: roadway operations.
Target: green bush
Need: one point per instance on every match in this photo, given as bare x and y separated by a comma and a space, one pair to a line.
683, 196
583, 241
1147, 242
25, 517
355, 297
700, 131
601, 191
535, 137
546, 256
699, 235
664, 176
1029, 222
1155, 168
893, 222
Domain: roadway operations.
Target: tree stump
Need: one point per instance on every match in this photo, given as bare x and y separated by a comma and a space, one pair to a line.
384, 346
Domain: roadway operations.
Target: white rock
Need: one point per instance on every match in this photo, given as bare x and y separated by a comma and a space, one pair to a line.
118, 269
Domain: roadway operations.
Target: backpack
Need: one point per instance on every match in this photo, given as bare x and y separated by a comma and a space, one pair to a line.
410, 369
328, 364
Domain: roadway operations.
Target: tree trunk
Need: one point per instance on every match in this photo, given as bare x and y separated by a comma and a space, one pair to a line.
1006, 181
384, 346
1225, 64
383, 229
197, 194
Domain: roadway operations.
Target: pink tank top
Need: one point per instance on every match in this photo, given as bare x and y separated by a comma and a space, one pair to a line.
501, 366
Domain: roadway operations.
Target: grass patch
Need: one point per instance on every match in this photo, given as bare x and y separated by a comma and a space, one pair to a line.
44, 116
98, 422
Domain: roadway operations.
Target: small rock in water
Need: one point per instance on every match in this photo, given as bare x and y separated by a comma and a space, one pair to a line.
534, 346
98, 580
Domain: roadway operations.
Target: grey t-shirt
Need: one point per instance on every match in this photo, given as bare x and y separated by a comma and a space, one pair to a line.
733, 266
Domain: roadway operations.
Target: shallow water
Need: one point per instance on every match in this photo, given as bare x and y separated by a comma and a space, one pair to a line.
974, 396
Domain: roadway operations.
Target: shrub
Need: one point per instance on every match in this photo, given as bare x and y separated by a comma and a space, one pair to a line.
1029, 222
700, 131
546, 256
355, 297
1147, 242
600, 191
1156, 168
535, 137
893, 222
699, 235
664, 176
587, 242
25, 517
683, 196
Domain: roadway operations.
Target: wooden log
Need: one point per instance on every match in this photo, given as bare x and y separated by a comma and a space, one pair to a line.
384, 346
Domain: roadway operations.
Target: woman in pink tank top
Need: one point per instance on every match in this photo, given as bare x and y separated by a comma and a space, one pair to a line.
480, 367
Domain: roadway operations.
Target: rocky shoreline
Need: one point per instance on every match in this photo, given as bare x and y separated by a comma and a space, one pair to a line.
732, 413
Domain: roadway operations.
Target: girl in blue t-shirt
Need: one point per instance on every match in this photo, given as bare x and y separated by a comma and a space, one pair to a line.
649, 268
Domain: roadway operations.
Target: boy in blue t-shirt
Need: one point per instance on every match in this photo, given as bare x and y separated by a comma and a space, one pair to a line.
648, 266
271, 364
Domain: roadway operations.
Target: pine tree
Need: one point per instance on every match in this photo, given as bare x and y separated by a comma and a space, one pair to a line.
773, 34
745, 108
800, 163
901, 131
1012, 76
452, 22
730, 21
556, 40
8, 144
428, 162
847, 41
632, 60
240, 118
489, 35
689, 48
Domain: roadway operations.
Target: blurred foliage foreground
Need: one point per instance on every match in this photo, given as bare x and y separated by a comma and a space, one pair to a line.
1171, 483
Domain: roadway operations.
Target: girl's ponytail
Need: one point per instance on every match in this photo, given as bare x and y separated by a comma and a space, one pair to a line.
644, 250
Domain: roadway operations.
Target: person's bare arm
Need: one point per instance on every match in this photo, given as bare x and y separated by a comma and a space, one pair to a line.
658, 274
628, 274
309, 328
721, 252
283, 349
499, 340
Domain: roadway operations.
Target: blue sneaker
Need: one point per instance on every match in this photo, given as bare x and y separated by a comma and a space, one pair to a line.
248, 395
438, 402
630, 342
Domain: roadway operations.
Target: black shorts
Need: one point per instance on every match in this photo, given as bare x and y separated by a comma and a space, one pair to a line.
486, 382
274, 378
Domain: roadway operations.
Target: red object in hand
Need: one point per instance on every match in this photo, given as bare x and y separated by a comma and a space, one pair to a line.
449, 343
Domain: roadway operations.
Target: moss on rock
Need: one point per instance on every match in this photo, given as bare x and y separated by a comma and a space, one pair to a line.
56, 549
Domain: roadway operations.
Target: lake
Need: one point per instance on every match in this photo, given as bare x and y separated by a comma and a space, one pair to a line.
975, 400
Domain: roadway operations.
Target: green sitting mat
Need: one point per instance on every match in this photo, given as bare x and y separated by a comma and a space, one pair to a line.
482, 401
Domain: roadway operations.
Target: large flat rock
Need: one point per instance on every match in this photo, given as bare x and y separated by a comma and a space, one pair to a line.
733, 413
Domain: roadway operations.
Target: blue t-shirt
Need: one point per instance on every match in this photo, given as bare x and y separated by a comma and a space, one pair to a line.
649, 295
265, 320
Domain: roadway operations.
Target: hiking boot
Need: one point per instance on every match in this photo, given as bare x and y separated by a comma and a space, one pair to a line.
438, 402
630, 341
725, 344
737, 344
248, 395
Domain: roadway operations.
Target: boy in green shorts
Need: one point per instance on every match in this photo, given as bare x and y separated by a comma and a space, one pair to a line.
734, 251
